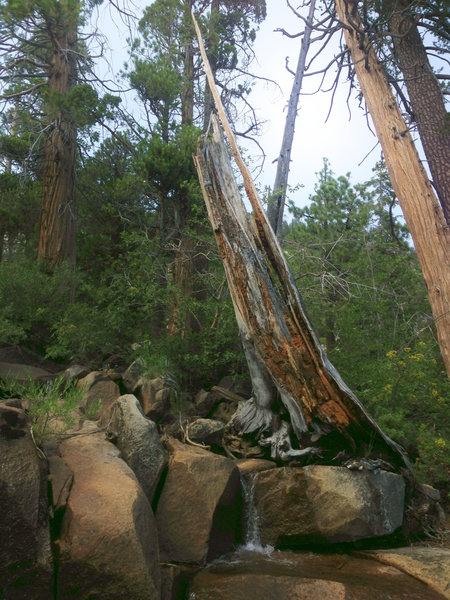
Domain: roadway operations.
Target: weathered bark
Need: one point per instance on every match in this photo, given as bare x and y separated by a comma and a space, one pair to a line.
278, 197
187, 95
181, 321
283, 352
422, 212
57, 220
426, 98
284, 355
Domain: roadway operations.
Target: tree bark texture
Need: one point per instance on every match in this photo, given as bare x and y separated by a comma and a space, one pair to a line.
57, 220
422, 212
278, 198
187, 96
426, 98
286, 361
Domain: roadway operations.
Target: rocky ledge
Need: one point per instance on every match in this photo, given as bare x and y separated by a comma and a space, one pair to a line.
129, 507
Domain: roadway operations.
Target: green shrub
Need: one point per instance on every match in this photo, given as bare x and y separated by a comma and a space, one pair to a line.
31, 301
410, 400
50, 404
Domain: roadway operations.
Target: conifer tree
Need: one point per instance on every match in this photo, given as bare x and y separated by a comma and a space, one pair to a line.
41, 66
167, 73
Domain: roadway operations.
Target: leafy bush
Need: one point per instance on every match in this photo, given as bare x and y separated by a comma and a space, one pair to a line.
50, 404
410, 399
201, 358
31, 300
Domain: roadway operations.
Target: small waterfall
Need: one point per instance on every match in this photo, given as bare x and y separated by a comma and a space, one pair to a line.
252, 537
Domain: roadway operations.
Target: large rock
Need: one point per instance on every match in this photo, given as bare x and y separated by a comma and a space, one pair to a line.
198, 511
108, 549
26, 569
217, 404
75, 372
426, 563
154, 397
320, 504
132, 375
100, 393
60, 480
249, 466
174, 580
23, 372
206, 431
138, 441
249, 586
306, 576
424, 512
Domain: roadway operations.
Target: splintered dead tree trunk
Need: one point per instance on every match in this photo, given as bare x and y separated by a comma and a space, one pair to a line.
211, 43
57, 220
422, 212
285, 359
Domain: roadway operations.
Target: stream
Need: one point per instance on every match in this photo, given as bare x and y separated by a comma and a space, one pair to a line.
257, 572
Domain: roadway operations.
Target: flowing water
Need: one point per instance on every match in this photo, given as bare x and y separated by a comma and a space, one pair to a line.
252, 537
258, 572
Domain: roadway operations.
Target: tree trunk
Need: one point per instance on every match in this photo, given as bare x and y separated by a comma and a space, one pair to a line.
426, 98
57, 220
284, 355
278, 197
187, 95
282, 350
189, 260
8, 167
182, 320
418, 202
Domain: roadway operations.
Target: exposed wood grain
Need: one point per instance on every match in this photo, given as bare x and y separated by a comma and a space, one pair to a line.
285, 358
420, 207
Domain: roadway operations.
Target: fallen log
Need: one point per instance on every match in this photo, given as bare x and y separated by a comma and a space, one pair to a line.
300, 404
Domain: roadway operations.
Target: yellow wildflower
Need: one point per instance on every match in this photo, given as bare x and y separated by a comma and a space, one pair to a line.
391, 354
440, 443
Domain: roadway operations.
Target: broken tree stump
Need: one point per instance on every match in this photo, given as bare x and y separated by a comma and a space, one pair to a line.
300, 404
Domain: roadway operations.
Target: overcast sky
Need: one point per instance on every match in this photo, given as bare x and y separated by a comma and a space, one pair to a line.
344, 141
